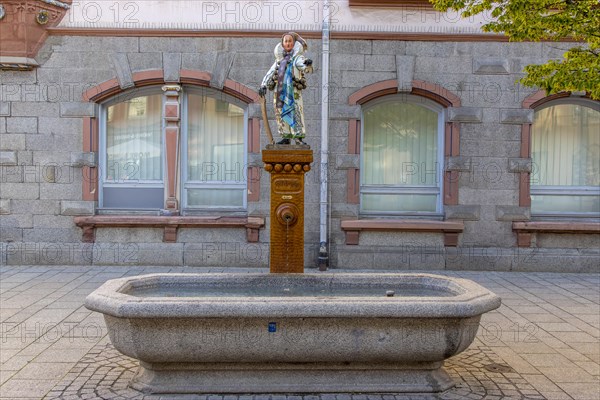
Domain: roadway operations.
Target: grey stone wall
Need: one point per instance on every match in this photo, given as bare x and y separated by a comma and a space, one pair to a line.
41, 114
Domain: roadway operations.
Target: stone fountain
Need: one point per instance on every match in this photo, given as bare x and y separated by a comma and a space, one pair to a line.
291, 333
288, 332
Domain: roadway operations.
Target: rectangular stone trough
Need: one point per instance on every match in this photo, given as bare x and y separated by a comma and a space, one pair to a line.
301, 333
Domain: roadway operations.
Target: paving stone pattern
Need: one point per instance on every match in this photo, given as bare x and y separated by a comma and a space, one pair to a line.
104, 373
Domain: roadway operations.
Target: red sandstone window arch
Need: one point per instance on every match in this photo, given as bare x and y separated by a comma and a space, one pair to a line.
428, 90
451, 132
563, 145
171, 115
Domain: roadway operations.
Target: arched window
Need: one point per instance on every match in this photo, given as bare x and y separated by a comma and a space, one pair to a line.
212, 164
132, 152
565, 150
214, 132
401, 156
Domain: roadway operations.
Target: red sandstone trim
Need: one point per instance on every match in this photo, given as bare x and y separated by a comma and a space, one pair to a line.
90, 175
240, 91
146, 78
194, 77
21, 35
155, 32
346, 35
353, 186
171, 138
450, 229
451, 188
169, 224
353, 136
526, 140
421, 88
455, 139
111, 88
524, 177
254, 184
448, 140
451, 149
102, 91
156, 77
406, 225
524, 230
557, 227
538, 98
524, 189
437, 93
373, 91
254, 135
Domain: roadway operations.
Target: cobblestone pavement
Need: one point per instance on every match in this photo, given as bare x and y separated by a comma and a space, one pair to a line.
543, 343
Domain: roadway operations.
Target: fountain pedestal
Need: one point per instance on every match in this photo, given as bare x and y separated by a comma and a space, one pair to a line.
287, 166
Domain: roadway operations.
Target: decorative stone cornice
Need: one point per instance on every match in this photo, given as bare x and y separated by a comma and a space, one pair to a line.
24, 29
57, 3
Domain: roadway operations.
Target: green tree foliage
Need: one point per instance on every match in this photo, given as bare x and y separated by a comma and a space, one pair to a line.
546, 20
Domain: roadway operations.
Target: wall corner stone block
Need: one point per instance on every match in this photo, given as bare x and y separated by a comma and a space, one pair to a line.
4, 108
254, 111
77, 208
516, 116
81, 159
463, 212
465, 114
347, 161
513, 213
344, 112
172, 67
221, 70
520, 165
4, 206
491, 66
124, 75
8, 157
77, 109
405, 72
458, 163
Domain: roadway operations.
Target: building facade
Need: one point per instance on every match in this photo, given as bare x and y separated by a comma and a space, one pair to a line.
130, 133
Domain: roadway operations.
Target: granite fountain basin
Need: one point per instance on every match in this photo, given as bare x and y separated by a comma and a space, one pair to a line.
291, 333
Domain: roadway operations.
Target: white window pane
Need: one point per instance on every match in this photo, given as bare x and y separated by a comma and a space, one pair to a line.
400, 145
398, 203
548, 204
215, 140
565, 146
225, 198
133, 140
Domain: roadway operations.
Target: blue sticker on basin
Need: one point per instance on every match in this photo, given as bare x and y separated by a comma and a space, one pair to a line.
272, 326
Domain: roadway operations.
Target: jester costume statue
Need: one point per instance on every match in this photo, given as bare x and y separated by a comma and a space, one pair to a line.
286, 77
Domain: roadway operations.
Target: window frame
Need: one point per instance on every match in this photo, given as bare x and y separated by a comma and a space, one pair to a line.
183, 166
562, 190
406, 189
102, 152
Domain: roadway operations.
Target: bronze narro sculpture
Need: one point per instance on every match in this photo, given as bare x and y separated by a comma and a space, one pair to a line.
286, 77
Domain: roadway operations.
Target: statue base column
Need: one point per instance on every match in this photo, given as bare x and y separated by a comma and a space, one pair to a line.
287, 165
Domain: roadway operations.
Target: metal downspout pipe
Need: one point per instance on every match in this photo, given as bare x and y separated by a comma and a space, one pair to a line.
323, 260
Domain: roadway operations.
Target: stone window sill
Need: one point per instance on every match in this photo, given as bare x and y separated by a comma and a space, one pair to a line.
170, 224
450, 229
524, 230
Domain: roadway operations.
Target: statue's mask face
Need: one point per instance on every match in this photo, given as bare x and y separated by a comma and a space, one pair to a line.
288, 43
